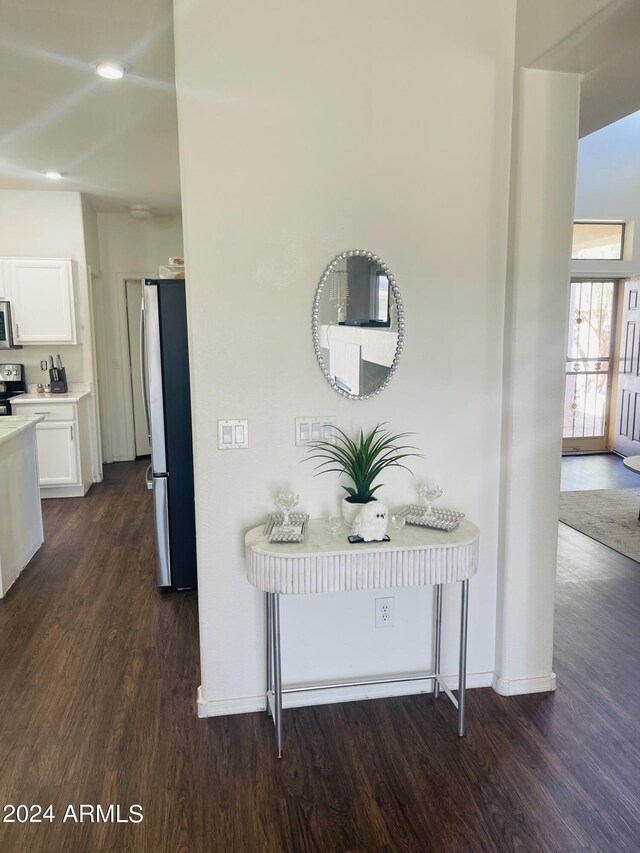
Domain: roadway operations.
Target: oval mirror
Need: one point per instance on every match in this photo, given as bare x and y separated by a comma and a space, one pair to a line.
358, 324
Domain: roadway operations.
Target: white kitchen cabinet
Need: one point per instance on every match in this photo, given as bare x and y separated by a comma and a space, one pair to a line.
63, 441
57, 453
42, 301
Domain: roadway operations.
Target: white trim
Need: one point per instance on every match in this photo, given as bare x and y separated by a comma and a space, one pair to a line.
250, 704
222, 707
65, 491
519, 686
127, 427
95, 426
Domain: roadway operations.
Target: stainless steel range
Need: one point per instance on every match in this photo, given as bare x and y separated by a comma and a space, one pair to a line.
12, 383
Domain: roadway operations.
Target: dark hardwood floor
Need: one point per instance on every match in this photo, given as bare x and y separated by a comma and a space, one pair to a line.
98, 673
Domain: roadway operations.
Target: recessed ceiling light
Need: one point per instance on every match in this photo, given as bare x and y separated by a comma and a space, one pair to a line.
110, 70
53, 174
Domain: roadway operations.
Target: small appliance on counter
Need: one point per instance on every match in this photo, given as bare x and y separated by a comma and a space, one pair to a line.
6, 329
12, 383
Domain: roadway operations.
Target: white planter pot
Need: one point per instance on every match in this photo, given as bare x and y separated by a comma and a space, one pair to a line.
350, 511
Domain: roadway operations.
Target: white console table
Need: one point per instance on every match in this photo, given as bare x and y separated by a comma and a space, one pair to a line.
417, 556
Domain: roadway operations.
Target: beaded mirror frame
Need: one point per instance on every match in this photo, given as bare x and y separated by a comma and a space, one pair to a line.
400, 322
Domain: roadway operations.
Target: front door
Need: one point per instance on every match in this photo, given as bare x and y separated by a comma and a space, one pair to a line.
627, 424
589, 366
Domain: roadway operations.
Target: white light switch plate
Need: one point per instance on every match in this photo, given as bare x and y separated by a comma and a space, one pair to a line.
233, 435
317, 428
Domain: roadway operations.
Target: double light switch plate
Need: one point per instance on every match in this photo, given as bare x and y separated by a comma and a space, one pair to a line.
233, 435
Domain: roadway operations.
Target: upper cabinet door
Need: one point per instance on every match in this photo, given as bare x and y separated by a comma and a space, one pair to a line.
41, 294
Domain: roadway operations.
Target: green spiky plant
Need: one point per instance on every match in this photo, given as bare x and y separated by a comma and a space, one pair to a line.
362, 460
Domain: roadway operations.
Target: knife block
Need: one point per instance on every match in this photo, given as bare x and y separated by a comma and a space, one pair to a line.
59, 385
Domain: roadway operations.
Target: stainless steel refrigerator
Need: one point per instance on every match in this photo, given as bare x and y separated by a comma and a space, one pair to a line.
165, 380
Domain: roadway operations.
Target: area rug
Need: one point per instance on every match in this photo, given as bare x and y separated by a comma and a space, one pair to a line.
609, 516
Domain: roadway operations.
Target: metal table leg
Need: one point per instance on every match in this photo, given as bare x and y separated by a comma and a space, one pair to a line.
277, 671
274, 663
438, 641
462, 677
269, 623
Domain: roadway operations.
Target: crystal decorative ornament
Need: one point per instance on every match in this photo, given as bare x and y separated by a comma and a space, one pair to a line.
429, 494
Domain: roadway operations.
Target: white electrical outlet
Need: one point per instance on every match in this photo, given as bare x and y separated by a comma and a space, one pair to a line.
319, 428
385, 612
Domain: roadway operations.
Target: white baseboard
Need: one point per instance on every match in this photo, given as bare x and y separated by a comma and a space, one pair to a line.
519, 686
222, 707
249, 704
64, 491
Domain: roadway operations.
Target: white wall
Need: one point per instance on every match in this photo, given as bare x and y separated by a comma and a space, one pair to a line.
608, 187
91, 241
63, 224
92, 250
57, 225
542, 198
49, 225
127, 245
297, 142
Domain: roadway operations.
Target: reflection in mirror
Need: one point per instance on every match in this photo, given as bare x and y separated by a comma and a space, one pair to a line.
358, 324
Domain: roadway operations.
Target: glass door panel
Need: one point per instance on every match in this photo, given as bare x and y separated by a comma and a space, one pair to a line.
589, 366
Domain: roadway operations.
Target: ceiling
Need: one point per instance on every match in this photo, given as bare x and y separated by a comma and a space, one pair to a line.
604, 49
116, 141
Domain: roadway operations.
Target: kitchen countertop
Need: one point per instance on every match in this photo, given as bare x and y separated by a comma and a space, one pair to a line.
21, 515
13, 425
69, 397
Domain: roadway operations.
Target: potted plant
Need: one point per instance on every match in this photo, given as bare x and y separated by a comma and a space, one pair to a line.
362, 460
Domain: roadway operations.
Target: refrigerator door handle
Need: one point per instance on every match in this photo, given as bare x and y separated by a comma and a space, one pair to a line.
148, 480
153, 375
161, 507
143, 374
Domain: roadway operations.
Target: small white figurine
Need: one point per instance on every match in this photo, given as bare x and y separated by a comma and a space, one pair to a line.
371, 522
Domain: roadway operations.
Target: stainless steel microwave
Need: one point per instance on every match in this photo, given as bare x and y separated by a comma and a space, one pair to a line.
6, 329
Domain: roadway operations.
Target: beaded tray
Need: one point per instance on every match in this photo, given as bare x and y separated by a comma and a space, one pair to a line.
294, 532
440, 519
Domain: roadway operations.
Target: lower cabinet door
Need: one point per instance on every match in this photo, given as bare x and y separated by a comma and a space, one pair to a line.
57, 453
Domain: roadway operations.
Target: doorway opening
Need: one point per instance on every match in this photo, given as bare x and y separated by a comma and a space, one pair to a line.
133, 301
